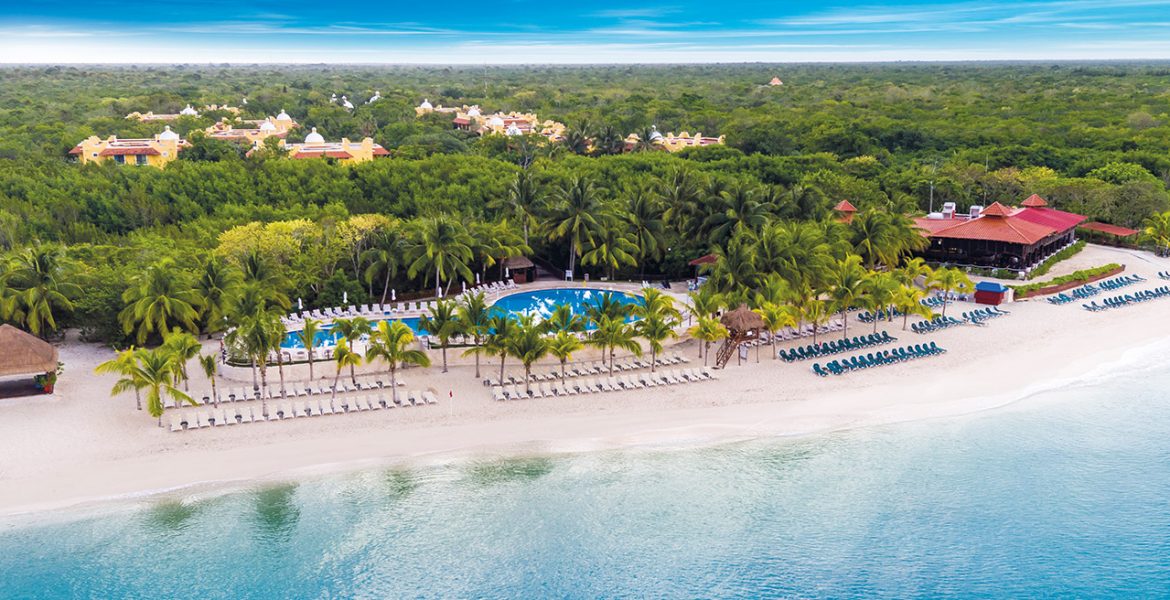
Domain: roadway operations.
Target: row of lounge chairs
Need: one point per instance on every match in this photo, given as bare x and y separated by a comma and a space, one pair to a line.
1127, 299
293, 389
293, 409
934, 302
382, 310
1085, 291
585, 368
1119, 282
884, 357
979, 315
593, 385
1164, 274
935, 324
791, 333
879, 315
835, 347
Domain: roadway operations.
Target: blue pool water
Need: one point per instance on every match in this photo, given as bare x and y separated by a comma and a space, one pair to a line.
540, 302
1063, 496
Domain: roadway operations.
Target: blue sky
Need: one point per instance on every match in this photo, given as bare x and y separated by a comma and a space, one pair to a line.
523, 31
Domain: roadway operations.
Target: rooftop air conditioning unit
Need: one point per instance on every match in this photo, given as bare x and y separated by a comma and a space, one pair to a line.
976, 210
949, 206
936, 216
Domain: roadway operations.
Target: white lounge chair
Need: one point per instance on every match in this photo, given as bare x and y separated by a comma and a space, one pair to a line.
498, 393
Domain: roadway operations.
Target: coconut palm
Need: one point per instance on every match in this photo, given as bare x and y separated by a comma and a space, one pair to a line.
125, 365
527, 344
908, 274
501, 328
647, 227
707, 330
158, 301
562, 346
612, 334
607, 306
610, 248
261, 273
210, 367
1156, 230
344, 357
308, 338
381, 262
576, 218
950, 280
156, 373
440, 245
679, 191
656, 302
656, 328
816, 312
879, 294
523, 202
391, 342
443, 323
847, 287
562, 318
495, 242
215, 283
475, 317
776, 317
39, 280
908, 301
257, 337
734, 269
739, 210
352, 329
183, 346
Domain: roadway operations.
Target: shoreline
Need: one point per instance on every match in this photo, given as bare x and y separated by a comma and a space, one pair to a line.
118, 454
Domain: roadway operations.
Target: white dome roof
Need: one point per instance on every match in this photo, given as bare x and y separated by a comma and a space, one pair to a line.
425, 104
189, 111
167, 134
513, 130
245, 101
377, 96
267, 126
473, 111
496, 121
314, 137
654, 135
346, 103
283, 116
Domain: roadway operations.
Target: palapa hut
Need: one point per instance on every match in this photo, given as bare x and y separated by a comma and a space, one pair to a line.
22, 353
742, 325
520, 268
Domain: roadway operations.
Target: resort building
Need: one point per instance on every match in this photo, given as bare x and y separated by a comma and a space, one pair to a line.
998, 236
845, 211
155, 152
673, 143
775, 82
152, 117
261, 130
426, 108
315, 146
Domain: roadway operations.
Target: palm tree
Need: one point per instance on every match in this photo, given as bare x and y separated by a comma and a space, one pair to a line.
949, 280
257, 336
680, 193
705, 302
215, 283
739, 209
848, 286
124, 364
308, 338
183, 347
528, 345
391, 342
562, 318
612, 334
562, 346
1156, 230
158, 301
882, 237
156, 372
607, 306
352, 329
734, 270
610, 248
908, 301
380, 260
816, 312
647, 227
655, 328
347, 358
523, 202
210, 368
707, 330
496, 344
441, 245
475, 318
39, 276
776, 317
879, 294
908, 274
655, 302
495, 242
577, 218
443, 322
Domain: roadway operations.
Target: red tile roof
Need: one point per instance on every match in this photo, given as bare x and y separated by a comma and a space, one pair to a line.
704, 260
380, 151
462, 121
1050, 217
1110, 229
1034, 201
75, 150
996, 210
845, 206
129, 151
992, 227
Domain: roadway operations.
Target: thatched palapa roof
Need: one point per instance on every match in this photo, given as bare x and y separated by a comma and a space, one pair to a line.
518, 262
23, 353
742, 319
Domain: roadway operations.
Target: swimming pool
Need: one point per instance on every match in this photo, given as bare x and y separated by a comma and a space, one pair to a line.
538, 302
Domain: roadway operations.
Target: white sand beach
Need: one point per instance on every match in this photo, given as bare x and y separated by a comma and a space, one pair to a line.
80, 445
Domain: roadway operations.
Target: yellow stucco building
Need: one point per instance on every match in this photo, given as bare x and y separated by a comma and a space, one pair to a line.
278, 126
315, 146
153, 152
673, 143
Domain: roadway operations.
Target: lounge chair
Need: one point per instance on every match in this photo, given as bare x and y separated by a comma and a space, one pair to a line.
498, 393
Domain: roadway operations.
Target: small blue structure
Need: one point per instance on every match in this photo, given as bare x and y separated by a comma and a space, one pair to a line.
990, 292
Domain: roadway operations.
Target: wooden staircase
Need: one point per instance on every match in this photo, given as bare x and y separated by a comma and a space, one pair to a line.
727, 350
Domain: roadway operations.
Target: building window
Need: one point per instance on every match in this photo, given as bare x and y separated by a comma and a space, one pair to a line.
118, 158
140, 159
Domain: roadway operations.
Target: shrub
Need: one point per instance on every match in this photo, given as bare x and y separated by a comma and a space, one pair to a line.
1055, 258
1081, 276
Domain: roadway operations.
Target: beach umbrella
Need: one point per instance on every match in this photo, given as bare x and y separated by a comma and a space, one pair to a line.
345, 297
393, 295
439, 292
300, 305
464, 284
477, 279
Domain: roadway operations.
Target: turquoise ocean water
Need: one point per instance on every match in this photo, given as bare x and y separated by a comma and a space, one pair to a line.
1064, 495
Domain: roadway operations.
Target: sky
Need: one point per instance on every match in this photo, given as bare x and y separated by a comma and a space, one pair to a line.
524, 31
